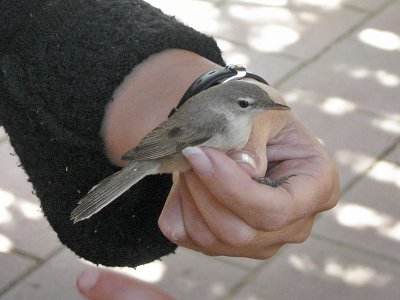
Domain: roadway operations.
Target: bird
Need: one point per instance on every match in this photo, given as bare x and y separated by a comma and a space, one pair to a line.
219, 117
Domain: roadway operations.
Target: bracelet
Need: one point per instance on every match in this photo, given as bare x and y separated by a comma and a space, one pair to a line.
214, 77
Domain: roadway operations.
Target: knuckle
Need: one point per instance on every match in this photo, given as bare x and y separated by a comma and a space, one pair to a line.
206, 242
331, 193
267, 253
273, 217
300, 238
302, 235
335, 194
272, 222
331, 203
202, 238
238, 238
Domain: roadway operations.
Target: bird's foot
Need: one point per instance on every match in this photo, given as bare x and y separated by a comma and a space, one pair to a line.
273, 182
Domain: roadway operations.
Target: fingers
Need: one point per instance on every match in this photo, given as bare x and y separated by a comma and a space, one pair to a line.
171, 221
316, 185
240, 193
183, 223
171, 218
103, 285
229, 228
222, 223
177, 228
215, 230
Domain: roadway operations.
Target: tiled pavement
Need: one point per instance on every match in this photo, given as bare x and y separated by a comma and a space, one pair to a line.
337, 62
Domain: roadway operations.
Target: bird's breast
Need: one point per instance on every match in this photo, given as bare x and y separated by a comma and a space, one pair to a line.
172, 163
234, 136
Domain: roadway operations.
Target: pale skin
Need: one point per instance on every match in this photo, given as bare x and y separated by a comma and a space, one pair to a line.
217, 208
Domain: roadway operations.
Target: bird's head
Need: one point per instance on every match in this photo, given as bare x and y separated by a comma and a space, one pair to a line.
242, 98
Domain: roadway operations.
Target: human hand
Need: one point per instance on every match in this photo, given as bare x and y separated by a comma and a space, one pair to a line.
218, 209
95, 284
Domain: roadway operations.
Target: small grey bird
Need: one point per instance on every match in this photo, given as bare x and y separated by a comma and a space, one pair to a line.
219, 117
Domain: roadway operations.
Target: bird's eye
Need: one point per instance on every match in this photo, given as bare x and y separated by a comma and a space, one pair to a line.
243, 103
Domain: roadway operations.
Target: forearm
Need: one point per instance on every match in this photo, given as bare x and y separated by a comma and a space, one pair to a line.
146, 97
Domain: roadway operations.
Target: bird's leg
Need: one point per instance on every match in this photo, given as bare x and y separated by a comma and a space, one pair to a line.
273, 182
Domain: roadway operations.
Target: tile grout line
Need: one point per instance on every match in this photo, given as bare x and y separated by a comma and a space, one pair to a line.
346, 189
27, 255
218, 3
340, 38
233, 264
369, 15
38, 265
253, 272
357, 8
379, 157
375, 114
353, 248
290, 57
250, 276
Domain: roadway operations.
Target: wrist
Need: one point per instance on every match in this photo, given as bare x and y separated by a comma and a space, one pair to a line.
146, 96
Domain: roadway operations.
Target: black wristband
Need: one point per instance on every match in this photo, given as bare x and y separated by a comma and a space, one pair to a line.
214, 77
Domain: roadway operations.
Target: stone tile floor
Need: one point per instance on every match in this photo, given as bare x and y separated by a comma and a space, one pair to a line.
337, 62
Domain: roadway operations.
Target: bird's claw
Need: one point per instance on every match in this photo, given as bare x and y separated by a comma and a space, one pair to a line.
273, 182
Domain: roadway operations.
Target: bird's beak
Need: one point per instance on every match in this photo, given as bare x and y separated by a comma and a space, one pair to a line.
278, 106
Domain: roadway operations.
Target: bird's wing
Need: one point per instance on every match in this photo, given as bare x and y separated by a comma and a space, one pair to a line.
171, 138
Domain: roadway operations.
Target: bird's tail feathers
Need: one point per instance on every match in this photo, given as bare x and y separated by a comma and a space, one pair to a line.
111, 188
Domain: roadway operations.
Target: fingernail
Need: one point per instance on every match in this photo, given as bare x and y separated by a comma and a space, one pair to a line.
199, 160
243, 157
177, 233
172, 229
88, 279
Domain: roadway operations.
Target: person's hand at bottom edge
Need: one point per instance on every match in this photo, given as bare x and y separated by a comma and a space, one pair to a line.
95, 284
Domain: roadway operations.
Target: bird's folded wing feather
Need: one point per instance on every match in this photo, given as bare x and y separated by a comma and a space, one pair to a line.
171, 138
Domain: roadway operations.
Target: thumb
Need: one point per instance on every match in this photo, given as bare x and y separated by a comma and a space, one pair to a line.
217, 171
104, 285
256, 147
257, 143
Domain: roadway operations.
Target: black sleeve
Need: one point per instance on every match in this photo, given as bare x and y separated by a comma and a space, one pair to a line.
60, 62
